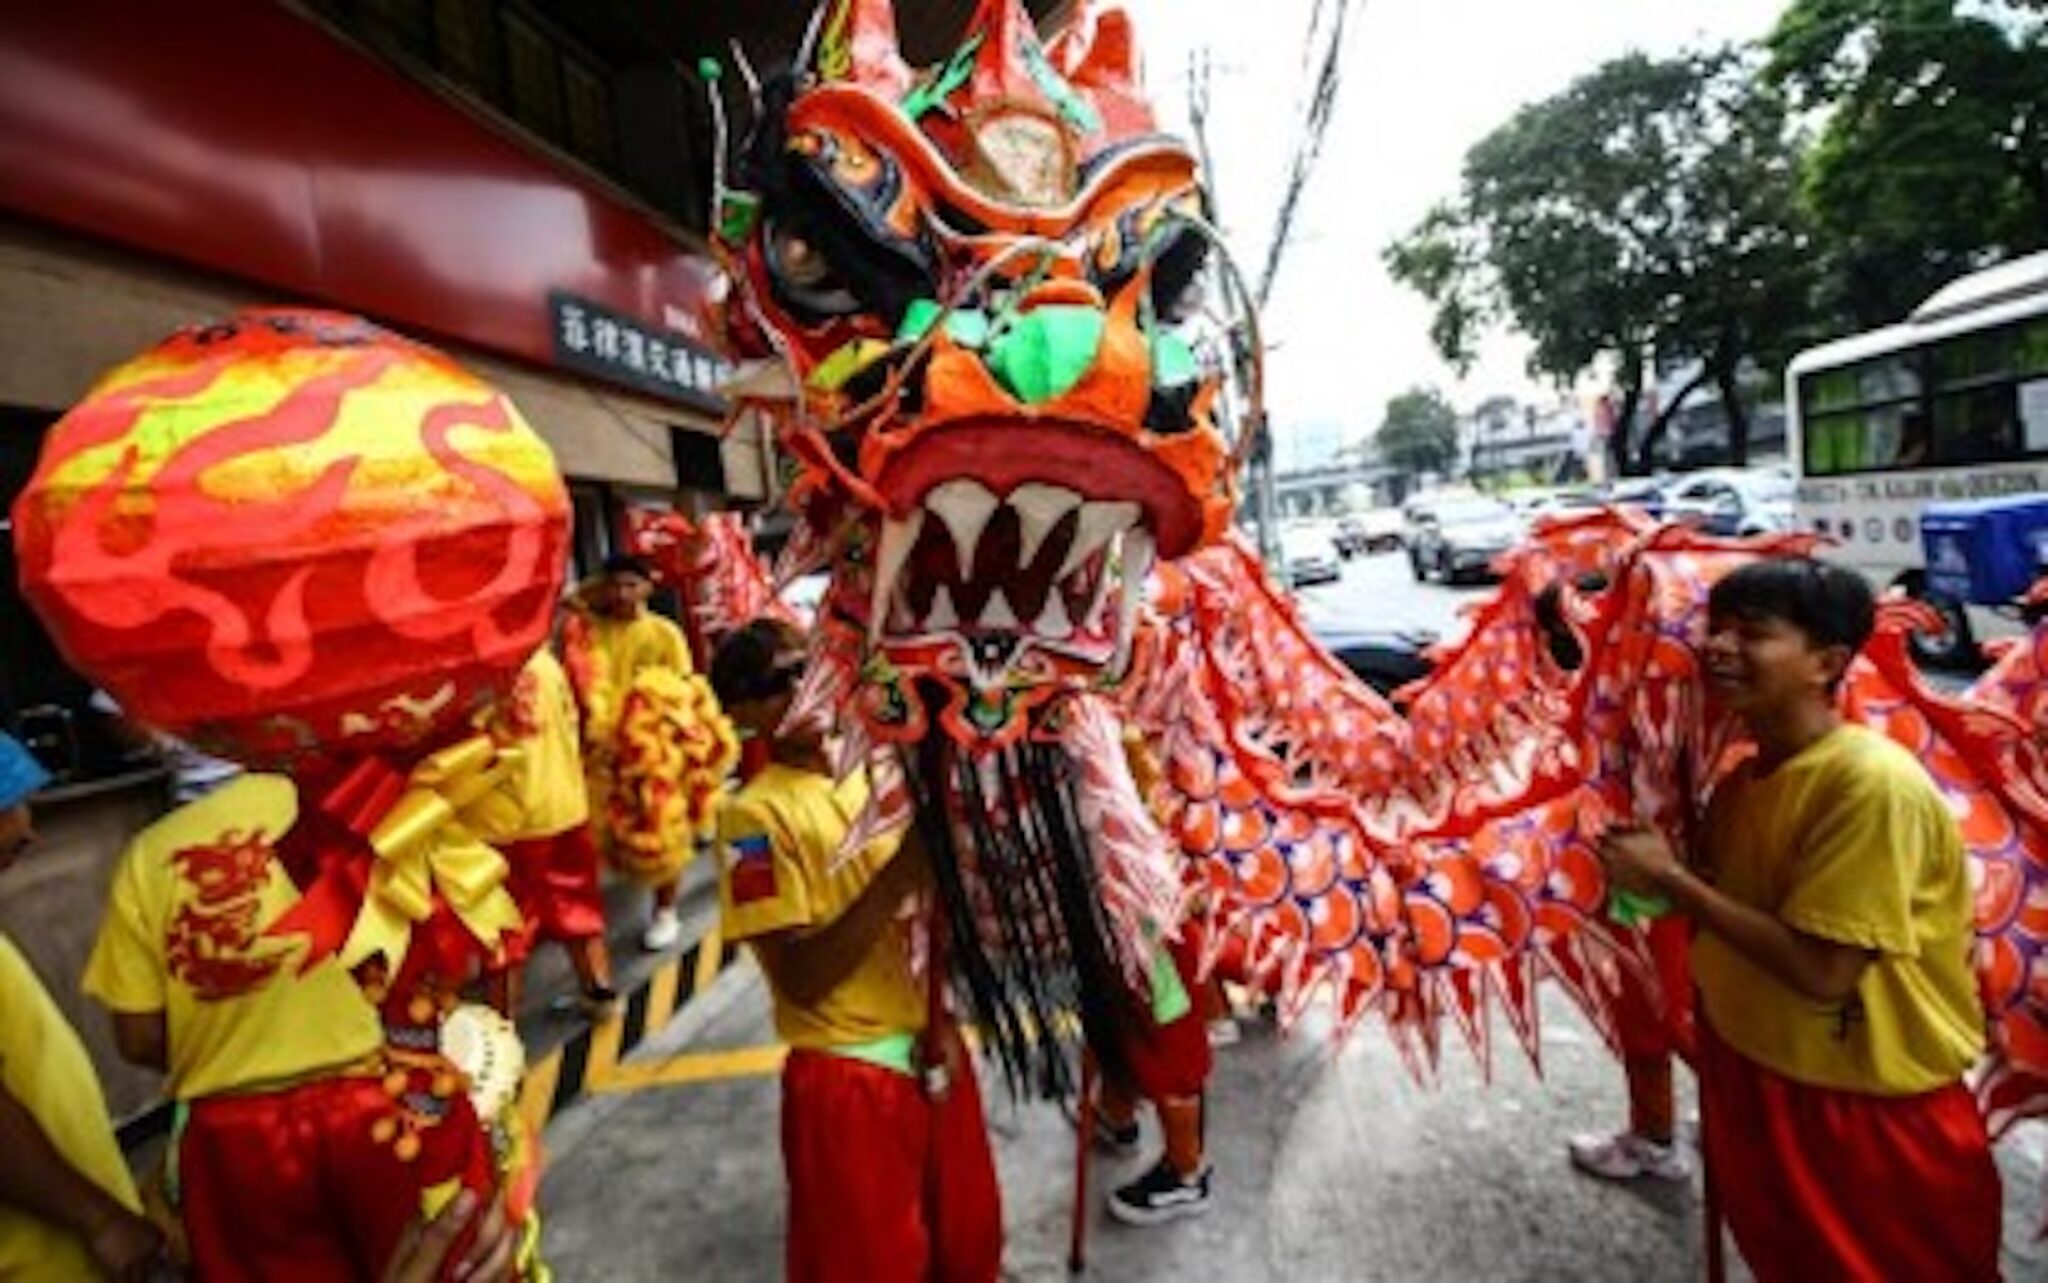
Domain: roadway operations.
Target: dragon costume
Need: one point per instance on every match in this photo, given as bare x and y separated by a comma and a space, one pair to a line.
1004, 427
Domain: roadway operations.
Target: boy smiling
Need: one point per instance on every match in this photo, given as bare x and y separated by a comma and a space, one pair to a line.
1839, 1010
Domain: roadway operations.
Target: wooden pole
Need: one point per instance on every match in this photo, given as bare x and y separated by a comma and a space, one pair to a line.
1084, 1140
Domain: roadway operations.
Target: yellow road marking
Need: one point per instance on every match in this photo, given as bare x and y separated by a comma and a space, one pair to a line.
537, 1093
661, 999
694, 1067
708, 954
604, 1046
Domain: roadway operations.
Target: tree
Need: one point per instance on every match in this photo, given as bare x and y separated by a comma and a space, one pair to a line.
1419, 433
1932, 152
1648, 210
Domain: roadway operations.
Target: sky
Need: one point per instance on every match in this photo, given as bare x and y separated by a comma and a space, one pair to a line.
1423, 80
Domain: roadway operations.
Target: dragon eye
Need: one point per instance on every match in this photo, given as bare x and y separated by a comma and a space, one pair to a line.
805, 276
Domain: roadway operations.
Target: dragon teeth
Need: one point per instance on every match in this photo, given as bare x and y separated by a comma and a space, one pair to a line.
1099, 522
965, 505
941, 615
899, 536
997, 613
1053, 624
1039, 508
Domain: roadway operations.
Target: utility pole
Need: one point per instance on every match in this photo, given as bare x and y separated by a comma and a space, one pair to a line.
1265, 505
1308, 146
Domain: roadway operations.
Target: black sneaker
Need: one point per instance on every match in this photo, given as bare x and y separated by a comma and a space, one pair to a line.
1118, 1141
1160, 1195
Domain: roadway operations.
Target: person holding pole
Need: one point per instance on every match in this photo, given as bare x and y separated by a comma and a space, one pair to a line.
1839, 1011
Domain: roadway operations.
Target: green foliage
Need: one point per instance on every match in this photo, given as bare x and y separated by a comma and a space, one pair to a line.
1419, 433
1650, 207
1931, 154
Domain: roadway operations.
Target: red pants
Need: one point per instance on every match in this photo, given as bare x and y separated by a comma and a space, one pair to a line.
290, 1185
1822, 1185
884, 1185
554, 882
1174, 1059
1651, 1032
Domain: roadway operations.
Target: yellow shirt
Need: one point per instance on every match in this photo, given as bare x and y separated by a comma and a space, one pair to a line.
776, 842
183, 934
538, 718
1851, 842
43, 1066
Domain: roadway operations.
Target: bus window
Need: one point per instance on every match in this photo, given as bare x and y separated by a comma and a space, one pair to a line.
1887, 436
1976, 426
1972, 357
2031, 352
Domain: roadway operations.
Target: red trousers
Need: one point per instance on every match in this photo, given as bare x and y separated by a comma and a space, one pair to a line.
1652, 1032
290, 1184
1820, 1185
886, 1186
553, 880
1174, 1059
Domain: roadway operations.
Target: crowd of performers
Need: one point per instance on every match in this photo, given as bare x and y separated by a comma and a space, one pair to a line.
1827, 910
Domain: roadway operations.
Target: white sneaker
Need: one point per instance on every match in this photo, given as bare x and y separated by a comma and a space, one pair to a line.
1626, 1156
1223, 1032
664, 930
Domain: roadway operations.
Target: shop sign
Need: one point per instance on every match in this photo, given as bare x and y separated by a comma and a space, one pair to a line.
594, 340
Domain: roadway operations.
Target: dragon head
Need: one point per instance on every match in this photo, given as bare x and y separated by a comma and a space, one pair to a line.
1004, 405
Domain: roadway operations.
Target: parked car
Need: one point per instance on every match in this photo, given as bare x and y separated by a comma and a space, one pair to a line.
1555, 503
1384, 659
1374, 530
1309, 551
1643, 493
1457, 537
1732, 501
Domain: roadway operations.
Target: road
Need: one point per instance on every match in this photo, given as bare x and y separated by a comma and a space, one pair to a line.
1331, 1162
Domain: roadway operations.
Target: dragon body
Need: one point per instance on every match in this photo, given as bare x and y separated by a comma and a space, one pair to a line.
1007, 429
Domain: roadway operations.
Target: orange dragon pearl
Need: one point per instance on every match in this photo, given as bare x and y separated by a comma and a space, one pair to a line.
292, 531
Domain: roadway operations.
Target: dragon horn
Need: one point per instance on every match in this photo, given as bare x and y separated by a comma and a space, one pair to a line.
855, 41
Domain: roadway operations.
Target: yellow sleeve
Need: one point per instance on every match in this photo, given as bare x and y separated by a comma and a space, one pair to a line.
1860, 860
674, 649
126, 969
762, 885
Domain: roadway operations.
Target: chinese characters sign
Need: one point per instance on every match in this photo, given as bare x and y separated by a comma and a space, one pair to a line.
597, 341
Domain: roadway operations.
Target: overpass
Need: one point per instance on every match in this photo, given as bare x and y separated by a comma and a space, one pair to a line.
1317, 492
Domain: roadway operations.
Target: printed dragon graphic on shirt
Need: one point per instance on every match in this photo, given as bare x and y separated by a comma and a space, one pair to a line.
216, 943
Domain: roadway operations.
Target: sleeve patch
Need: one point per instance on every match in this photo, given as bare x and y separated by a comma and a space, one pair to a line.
750, 868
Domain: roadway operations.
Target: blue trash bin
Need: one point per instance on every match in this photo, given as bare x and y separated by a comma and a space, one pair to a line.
1985, 551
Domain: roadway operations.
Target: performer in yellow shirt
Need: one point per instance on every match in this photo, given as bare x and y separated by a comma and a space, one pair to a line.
68, 1208
611, 642
882, 1133
286, 1159
552, 859
1839, 1012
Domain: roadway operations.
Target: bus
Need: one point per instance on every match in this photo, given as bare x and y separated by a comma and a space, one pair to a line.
1950, 403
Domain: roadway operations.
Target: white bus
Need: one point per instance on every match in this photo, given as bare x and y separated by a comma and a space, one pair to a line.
1951, 403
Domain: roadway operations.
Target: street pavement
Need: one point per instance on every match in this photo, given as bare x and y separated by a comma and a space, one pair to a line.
1332, 1163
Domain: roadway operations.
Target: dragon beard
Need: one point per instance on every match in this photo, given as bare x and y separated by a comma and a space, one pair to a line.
1052, 900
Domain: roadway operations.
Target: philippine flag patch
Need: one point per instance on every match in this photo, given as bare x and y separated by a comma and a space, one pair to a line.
750, 868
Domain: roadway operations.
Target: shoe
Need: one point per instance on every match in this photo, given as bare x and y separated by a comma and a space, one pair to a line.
1160, 1195
664, 930
1223, 1032
600, 1003
1118, 1141
1627, 1156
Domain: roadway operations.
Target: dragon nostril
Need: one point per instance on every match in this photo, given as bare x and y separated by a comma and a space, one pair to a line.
1170, 411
